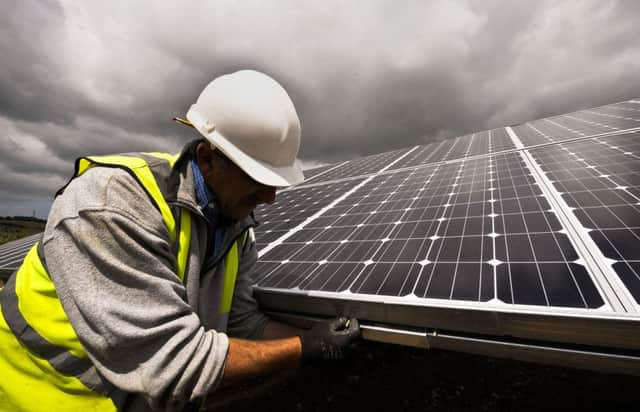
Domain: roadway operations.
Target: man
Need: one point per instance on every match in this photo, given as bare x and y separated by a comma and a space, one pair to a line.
144, 269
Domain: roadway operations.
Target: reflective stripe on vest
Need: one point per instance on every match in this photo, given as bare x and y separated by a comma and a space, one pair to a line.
48, 353
231, 272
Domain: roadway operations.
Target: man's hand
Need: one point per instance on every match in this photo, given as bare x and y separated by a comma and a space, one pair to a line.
329, 339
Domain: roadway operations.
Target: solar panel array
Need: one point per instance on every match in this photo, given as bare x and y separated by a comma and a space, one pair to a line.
12, 253
541, 219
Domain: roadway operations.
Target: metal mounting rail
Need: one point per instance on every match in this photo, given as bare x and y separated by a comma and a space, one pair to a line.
591, 358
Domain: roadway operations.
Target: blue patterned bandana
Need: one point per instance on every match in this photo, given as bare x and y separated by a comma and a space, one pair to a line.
207, 202
204, 195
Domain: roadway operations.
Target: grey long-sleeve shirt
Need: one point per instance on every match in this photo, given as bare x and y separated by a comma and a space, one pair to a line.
109, 254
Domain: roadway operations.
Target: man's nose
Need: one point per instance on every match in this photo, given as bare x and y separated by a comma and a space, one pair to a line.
267, 194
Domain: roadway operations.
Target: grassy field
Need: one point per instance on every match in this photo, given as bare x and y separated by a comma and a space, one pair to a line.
13, 228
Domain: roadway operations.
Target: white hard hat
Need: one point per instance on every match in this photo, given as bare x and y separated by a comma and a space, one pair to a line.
250, 118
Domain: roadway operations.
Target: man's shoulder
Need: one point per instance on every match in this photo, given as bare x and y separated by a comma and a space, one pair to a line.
105, 185
104, 189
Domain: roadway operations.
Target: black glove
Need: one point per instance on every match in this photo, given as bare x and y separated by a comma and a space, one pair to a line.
329, 339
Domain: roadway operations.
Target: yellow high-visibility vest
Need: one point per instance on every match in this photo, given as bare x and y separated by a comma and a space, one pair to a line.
43, 366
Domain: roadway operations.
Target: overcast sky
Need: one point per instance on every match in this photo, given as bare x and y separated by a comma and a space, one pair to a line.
80, 77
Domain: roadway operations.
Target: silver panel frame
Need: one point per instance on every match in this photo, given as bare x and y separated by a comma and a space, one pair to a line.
590, 359
551, 324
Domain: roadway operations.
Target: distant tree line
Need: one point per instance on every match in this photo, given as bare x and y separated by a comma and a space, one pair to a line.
22, 218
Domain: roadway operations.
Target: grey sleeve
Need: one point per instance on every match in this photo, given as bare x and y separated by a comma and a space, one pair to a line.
246, 320
113, 270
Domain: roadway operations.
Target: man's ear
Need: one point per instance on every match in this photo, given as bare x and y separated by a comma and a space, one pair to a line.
204, 158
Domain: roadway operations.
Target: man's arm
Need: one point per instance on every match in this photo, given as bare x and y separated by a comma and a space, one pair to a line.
248, 359
276, 330
251, 359
280, 348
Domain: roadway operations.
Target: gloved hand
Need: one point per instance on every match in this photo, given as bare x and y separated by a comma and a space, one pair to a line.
329, 339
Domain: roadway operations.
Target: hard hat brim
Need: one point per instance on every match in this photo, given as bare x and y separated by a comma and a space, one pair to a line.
259, 171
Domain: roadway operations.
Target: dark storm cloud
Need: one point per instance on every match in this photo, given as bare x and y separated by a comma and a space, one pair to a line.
104, 77
29, 79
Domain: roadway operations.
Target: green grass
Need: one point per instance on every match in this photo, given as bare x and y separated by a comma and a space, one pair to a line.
13, 228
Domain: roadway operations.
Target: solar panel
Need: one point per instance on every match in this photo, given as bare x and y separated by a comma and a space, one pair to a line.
580, 124
359, 167
600, 180
309, 173
631, 105
513, 228
612, 117
12, 253
444, 232
475, 144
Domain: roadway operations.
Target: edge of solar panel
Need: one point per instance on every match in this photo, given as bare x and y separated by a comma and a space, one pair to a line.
585, 326
570, 356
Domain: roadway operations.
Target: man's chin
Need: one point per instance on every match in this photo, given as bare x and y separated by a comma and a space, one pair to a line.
237, 214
